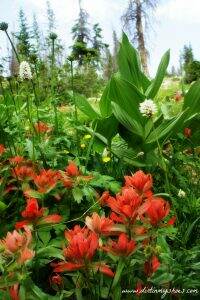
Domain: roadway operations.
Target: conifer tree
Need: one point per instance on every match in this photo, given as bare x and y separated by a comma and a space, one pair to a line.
36, 35
23, 36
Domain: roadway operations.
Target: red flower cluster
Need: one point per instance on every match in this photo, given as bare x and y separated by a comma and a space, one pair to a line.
123, 247
23, 173
2, 149
136, 202
80, 251
151, 265
35, 215
46, 180
18, 244
16, 160
42, 127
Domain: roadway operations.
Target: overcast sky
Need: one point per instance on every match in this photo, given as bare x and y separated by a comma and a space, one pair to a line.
177, 22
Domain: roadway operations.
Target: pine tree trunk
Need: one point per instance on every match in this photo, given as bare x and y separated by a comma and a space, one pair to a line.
140, 37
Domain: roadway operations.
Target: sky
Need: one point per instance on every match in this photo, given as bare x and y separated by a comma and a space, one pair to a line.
176, 23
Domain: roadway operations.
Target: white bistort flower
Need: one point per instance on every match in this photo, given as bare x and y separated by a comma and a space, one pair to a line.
181, 194
148, 108
25, 71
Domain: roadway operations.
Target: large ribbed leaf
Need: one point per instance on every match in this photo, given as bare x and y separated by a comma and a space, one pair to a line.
156, 83
107, 127
192, 100
83, 104
165, 128
105, 103
128, 62
121, 150
127, 96
131, 124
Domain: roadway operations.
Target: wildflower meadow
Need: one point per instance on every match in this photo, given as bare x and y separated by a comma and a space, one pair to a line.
99, 165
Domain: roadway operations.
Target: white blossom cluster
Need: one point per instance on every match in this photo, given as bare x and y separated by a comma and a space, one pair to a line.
25, 71
181, 194
148, 108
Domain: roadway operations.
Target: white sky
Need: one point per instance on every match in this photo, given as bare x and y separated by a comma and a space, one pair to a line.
177, 22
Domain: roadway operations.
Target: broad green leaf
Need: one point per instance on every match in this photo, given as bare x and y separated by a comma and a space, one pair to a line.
129, 64
86, 108
105, 103
192, 100
165, 128
156, 83
107, 127
128, 155
127, 96
128, 122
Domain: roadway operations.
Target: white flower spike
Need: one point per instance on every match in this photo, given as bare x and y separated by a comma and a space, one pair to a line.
25, 71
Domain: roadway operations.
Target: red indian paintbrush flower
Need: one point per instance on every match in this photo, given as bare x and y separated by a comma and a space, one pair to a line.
2, 149
23, 173
141, 182
126, 205
35, 215
16, 243
81, 249
32, 210
123, 247
103, 199
42, 127
151, 266
100, 225
187, 132
16, 160
14, 292
46, 180
72, 169
155, 209
56, 279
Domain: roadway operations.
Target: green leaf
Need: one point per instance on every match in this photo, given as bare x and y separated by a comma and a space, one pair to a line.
44, 236
165, 128
189, 231
107, 127
77, 194
105, 103
129, 63
128, 122
86, 108
192, 100
156, 83
127, 96
3, 206
118, 273
50, 251
162, 279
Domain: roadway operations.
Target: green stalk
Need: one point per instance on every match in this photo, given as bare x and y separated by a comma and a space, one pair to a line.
32, 126
52, 85
90, 147
74, 100
13, 47
78, 294
164, 166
